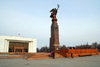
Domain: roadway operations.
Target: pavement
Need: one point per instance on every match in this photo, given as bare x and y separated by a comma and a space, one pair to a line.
87, 61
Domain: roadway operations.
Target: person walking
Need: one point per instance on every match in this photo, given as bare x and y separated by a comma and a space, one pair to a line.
71, 55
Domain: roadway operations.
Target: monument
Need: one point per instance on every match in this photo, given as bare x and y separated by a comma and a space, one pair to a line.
54, 39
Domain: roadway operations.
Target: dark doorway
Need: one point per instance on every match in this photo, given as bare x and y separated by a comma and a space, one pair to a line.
18, 50
19, 45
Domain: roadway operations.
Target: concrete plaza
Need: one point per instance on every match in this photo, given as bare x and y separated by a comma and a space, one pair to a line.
88, 61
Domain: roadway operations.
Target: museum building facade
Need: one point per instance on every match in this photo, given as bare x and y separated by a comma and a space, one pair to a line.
17, 44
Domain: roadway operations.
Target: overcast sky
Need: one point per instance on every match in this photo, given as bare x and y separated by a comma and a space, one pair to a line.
78, 20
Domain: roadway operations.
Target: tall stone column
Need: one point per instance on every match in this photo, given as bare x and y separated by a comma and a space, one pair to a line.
54, 39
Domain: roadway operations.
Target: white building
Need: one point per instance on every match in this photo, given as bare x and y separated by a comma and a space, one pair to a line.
17, 44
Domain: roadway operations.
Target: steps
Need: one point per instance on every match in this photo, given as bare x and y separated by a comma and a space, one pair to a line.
11, 57
39, 56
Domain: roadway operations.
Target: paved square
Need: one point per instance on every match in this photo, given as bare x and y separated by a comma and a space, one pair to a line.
88, 61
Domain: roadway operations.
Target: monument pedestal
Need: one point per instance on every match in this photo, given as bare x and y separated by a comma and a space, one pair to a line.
54, 39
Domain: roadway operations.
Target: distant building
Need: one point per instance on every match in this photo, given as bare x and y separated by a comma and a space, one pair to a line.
17, 44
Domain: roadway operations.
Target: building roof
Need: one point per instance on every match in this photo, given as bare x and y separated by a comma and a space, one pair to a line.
16, 38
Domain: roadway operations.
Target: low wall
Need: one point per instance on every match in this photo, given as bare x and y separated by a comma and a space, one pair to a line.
75, 52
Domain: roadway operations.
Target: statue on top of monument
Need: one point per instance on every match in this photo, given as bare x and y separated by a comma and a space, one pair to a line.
54, 12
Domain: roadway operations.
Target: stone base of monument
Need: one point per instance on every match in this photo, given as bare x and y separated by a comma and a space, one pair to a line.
75, 53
